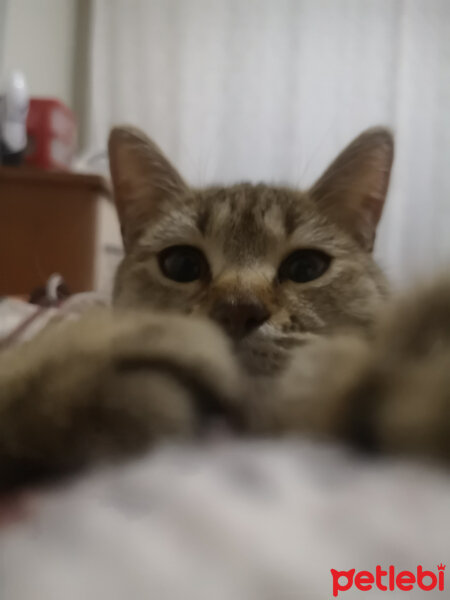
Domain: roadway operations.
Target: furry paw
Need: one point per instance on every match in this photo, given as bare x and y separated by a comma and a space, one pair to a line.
391, 395
108, 386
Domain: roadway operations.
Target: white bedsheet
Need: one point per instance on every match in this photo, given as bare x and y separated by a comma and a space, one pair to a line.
228, 520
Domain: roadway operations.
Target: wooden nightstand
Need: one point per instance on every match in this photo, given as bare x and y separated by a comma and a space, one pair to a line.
56, 223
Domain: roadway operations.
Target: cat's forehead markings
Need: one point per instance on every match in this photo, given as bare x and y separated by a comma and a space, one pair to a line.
219, 215
273, 219
241, 208
175, 227
246, 224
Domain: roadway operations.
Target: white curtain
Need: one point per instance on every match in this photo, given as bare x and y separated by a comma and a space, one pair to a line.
272, 89
3, 9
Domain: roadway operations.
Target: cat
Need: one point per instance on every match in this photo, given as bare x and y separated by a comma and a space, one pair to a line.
256, 305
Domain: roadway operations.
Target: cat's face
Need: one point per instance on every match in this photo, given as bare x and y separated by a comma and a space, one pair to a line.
271, 265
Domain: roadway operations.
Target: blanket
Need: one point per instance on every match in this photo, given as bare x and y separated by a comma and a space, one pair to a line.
232, 520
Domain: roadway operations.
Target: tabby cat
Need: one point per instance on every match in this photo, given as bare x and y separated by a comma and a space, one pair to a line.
257, 305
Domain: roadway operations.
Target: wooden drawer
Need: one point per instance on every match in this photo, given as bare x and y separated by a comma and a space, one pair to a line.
50, 223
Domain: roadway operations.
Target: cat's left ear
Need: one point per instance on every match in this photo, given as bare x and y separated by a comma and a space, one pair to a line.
142, 179
353, 189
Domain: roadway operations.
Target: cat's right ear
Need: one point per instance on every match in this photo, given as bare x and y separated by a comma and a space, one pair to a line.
142, 178
352, 191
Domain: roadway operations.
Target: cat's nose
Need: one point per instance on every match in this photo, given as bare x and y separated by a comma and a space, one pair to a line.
239, 318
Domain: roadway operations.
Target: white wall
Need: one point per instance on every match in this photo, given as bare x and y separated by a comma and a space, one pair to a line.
40, 40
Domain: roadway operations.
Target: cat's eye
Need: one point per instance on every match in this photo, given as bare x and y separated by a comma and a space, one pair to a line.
304, 265
183, 263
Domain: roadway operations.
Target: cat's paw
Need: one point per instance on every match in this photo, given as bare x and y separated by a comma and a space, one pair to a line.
391, 395
110, 385
412, 365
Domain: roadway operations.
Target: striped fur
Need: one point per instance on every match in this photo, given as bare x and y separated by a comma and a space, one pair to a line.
326, 361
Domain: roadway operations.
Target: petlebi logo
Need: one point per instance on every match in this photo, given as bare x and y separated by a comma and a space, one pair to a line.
389, 579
